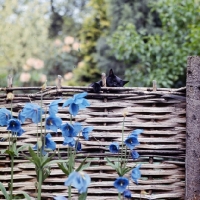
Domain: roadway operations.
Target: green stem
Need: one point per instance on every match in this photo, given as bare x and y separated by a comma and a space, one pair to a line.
122, 141
69, 192
37, 139
41, 118
70, 119
71, 167
119, 196
12, 175
39, 185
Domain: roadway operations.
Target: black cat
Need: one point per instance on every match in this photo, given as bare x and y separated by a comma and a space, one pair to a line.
111, 81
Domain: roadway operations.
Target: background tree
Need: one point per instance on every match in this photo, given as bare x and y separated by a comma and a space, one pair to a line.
162, 55
24, 34
94, 26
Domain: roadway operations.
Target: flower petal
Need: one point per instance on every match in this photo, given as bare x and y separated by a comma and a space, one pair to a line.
14, 125
53, 107
136, 174
49, 144
135, 154
70, 178
5, 115
68, 102
73, 109
121, 183
80, 95
114, 147
136, 132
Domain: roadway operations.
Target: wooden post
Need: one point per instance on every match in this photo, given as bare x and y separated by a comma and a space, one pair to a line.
193, 129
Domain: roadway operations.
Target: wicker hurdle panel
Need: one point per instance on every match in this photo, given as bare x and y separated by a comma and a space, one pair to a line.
160, 113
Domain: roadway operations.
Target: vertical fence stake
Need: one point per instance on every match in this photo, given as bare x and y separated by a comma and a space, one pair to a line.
153, 120
103, 78
193, 129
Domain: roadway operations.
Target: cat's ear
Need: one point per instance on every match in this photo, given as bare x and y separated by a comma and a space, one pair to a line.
111, 73
96, 86
125, 82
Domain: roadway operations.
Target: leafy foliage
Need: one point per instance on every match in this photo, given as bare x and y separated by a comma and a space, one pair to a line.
24, 33
161, 56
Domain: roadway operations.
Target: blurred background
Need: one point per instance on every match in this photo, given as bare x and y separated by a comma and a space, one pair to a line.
141, 40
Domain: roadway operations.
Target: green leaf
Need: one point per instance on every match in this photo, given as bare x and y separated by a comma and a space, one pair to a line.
26, 196
10, 152
3, 189
83, 166
111, 163
34, 157
3, 151
126, 170
64, 168
48, 159
46, 172
56, 161
21, 148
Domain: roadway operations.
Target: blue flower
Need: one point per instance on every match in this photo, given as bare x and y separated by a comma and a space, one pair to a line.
121, 183
114, 147
21, 117
78, 146
14, 125
131, 142
76, 102
69, 140
69, 130
78, 180
5, 115
86, 131
32, 111
127, 194
136, 132
135, 154
136, 174
20, 132
53, 123
53, 107
49, 144
60, 198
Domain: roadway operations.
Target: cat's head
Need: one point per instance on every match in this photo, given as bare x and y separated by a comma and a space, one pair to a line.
114, 81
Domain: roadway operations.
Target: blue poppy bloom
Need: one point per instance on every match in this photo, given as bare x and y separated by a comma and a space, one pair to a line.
20, 132
131, 142
69, 141
49, 144
5, 115
136, 174
21, 117
69, 130
127, 194
79, 180
136, 132
53, 107
134, 154
32, 111
121, 183
14, 125
76, 102
114, 147
60, 198
86, 131
53, 123
78, 146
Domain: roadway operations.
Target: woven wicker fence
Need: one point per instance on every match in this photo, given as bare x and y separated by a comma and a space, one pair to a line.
161, 113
